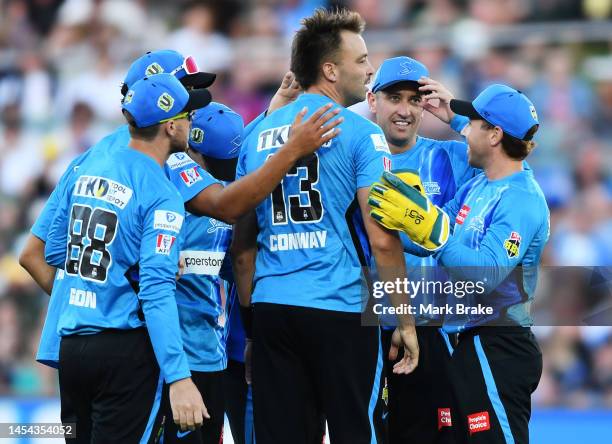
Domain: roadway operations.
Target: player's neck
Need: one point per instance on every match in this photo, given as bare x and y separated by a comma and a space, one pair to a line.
328, 91
398, 149
156, 149
502, 167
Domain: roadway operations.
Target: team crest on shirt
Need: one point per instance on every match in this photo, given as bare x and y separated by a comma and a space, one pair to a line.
431, 188
191, 176
217, 225
512, 245
164, 244
476, 224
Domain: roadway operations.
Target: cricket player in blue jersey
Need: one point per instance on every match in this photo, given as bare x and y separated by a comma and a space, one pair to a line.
398, 105
310, 352
117, 346
201, 295
189, 177
493, 232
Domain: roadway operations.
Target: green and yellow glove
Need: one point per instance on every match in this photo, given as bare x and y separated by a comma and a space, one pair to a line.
399, 202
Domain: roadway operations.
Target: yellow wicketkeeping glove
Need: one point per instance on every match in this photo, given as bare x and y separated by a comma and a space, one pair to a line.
398, 202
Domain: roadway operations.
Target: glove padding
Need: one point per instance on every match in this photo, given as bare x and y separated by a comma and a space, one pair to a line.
398, 202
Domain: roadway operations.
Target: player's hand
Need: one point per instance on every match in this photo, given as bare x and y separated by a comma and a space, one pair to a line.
181, 268
248, 354
408, 337
287, 92
397, 205
307, 136
434, 90
188, 409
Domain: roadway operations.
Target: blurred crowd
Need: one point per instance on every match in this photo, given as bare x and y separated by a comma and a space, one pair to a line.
62, 63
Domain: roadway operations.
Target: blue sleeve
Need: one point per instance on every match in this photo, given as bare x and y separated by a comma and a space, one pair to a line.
458, 123
159, 256
241, 165
251, 126
462, 171
188, 177
371, 156
515, 222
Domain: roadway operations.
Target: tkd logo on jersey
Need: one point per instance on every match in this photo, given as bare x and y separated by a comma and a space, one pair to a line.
164, 244
104, 189
190, 176
273, 138
512, 245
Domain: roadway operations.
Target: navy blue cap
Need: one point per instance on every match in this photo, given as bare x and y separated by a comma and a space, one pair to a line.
216, 131
501, 106
165, 61
161, 97
396, 70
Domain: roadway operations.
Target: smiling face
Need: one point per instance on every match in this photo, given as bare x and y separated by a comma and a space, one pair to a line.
399, 111
354, 68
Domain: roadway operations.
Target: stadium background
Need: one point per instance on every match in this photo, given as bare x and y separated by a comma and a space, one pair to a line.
61, 64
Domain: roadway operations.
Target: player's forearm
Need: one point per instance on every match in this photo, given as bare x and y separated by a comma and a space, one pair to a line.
244, 271
162, 321
32, 258
249, 191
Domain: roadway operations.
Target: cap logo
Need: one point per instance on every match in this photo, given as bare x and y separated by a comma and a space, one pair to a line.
128, 97
165, 102
197, 135
153, 68
533, 112
406, 69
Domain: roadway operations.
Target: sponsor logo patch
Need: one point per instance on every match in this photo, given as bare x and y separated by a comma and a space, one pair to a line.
386, 163
512, 245
444, 418
380, 144
103, 189
462, 214
164, 244
202, 262
431, 188
478, 422
82, 298
191, 176
178, 160
167, 220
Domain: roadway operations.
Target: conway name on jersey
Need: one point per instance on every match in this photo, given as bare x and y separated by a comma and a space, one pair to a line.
306, 254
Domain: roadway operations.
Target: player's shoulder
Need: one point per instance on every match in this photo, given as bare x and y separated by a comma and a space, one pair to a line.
525, 192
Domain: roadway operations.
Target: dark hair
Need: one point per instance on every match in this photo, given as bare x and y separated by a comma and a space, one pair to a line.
147, 133
516, 148
318, 41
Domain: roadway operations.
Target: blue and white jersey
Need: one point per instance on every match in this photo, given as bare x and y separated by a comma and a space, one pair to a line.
497, 226
188, 177
443, 168
201, 295
122, 214
306, 253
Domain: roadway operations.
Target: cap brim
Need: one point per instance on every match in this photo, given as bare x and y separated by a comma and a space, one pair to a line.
198, 80
464, 108
412, 83
198, 98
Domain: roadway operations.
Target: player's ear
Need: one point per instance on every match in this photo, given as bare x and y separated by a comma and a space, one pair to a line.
371, 97
496, 136
170, 127
330, 71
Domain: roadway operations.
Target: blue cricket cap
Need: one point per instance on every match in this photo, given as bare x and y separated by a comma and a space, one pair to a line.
501, 106
216, 131
396, 70
167, 61
161, 97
